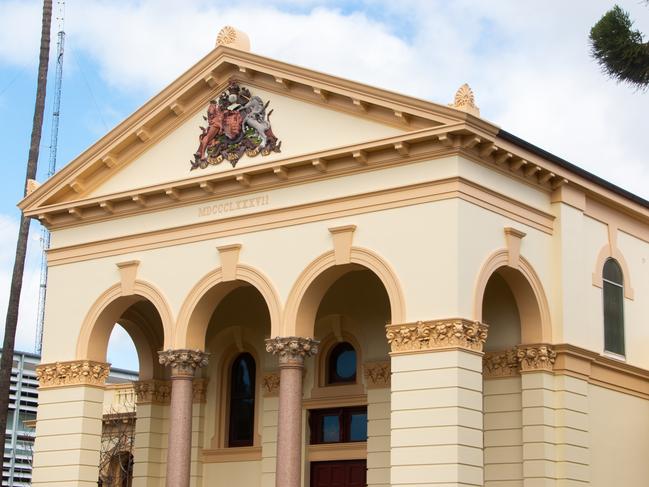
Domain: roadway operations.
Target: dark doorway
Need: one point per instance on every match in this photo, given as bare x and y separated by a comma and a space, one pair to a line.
350, 473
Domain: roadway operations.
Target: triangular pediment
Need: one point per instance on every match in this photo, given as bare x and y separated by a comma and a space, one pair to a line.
312, 113
300, 128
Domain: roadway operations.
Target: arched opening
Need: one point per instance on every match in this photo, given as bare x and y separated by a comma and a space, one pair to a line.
349, 306
511, 309
500, 312
237, 324
128, 331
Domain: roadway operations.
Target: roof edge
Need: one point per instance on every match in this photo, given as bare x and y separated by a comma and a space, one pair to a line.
523, 144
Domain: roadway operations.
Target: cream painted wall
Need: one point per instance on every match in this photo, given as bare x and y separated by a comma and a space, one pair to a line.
168, 159
636, 311
232, 474
413, 249
481, 233
618, 438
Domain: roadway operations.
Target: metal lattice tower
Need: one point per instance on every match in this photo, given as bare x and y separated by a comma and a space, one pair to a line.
54, 136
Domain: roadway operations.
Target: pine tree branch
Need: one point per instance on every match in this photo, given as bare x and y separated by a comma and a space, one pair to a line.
619, 49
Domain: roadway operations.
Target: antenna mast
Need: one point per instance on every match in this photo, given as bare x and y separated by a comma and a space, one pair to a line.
54, 136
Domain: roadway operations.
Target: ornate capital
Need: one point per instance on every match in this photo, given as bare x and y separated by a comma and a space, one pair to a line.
183, 362
152, 391
270, 383
77, 372
438, 334
377, 375
500, 364
292, 350
536, 357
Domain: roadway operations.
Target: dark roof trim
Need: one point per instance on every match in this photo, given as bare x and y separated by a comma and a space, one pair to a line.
503, 134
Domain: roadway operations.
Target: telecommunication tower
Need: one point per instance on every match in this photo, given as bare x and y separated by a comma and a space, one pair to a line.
54, 136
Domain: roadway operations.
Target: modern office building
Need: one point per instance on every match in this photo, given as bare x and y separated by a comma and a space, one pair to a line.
21, 420
329, 284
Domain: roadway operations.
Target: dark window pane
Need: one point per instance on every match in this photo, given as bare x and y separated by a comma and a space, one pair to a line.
342, 364
358, 427
613, 272
330, 429
613, 318
242, 401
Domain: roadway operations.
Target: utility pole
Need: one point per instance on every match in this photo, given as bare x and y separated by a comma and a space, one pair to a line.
11, 322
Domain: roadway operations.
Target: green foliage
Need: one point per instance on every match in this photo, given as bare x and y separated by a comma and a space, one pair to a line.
619, 49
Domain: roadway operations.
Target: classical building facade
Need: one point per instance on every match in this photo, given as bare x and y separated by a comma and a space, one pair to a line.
331, 284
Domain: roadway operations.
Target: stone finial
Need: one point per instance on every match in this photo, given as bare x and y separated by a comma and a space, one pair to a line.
32, 185
230, 37
292, 349
465, 100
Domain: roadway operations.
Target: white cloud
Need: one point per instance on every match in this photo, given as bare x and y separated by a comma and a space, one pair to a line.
528, 63
121, 350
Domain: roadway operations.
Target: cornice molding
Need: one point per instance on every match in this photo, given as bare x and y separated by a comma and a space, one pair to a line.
437, 335
76, 372
425, 144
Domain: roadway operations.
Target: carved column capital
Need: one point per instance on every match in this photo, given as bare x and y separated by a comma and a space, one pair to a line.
75, 372
437, 335
377, 375
183, 362
536, 357
152, 391
292, 350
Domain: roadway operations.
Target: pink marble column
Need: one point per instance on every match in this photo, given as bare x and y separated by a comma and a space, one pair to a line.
291, 352
183, 365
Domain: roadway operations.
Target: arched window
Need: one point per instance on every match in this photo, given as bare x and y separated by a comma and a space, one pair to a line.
342, 364
242, 401
613, 291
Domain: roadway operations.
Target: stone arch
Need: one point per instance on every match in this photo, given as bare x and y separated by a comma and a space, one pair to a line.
198, 306
113, 306
528, 292
317, 277
608, 252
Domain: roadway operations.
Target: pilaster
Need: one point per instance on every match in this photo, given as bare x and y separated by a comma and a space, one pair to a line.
68, 427
436, 396
377, 381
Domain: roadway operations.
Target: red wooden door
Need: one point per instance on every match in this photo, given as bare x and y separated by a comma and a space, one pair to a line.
350, 473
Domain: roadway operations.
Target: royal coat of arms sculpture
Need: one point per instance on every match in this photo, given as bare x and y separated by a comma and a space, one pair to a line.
238, 124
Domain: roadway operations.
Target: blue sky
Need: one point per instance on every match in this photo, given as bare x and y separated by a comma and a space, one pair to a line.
527, 62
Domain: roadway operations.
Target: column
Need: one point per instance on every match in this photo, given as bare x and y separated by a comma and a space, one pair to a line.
436, 419
68, 427
183, 365
291, 352
150, 451
538, 415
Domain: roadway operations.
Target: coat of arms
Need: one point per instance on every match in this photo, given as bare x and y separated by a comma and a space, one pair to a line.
238, 124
